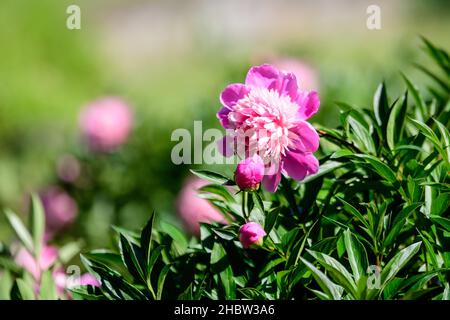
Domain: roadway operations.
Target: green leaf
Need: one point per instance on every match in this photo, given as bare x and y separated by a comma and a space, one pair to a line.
180, 241
228, 283
85, 293
381, 105
362, 135
420, 103
161, 280
336, 270
6, 283
440, 56
152, 260
446, 294
114, 285
20, 229
218, 260
396, 121
399, 223
352, 210
218, 190
130, 259
430, 135
444, 222
48, 287
445, 136
324, 169
271, 219
434, 76
131, 236
146, 241
211, 176
357, 255
258, 201
398, 262
432, 263
37, 224
332, 290
381, 168
25, 290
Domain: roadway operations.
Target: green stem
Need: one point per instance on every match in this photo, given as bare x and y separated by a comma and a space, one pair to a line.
244, 205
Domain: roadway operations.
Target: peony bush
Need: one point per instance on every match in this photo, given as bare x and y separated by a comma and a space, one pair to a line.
359, 212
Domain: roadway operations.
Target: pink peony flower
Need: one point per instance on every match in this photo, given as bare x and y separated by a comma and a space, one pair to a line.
60, 210
192, 209
65, 281
251, 234
267, 115
88, 279
106, 124
249, 173
306, 76
35, 267
48, 257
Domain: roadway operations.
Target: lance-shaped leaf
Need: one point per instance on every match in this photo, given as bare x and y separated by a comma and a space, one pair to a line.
20, 230
332, 290
130, 258
380, 105
398, 262
396, 121
37, 224
146, 241
211, 176
399, 223
336, 270
380, 167
357, 255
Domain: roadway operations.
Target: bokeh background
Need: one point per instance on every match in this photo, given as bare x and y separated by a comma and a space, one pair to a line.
169, 60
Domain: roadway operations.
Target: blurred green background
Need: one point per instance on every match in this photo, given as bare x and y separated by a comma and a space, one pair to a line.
170, 60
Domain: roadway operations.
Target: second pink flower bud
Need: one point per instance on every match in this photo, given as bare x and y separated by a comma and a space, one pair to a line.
251, 234
249, 173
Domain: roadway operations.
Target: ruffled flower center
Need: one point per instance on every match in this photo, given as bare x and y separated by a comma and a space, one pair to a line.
263, 121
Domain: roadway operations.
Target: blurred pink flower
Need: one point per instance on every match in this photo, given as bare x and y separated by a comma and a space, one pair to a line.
267, 115
251, 234
306, 75
249, 173
35, 267
60, 210
106, 124
192, 209
68, 168
88, 279
64, 281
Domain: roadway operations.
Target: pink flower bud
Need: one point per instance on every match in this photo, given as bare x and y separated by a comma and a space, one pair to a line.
60, 210
193, 210
106, 124
251, 234
249, 173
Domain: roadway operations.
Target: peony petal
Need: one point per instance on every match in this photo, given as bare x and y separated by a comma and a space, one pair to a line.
287, 85
263, 76
307, 138
269, 77
232, 94
271, 182
309, 104
300, 165
222, 115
